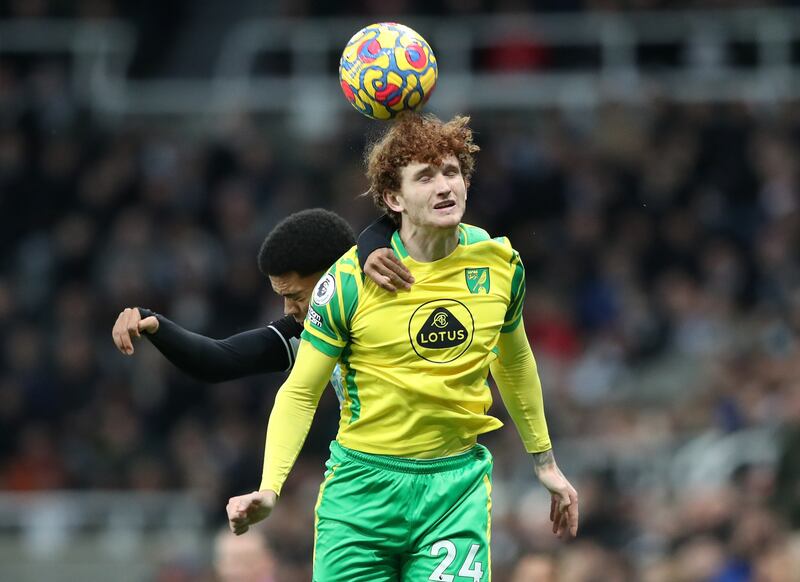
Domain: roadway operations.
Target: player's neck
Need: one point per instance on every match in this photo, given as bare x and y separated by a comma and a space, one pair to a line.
426, 244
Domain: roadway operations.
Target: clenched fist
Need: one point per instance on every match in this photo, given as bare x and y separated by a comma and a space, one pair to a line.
245, 510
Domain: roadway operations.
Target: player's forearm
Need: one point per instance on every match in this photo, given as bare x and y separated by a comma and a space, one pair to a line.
292, 414
212, 360
377, 235
518, 381
186, 350
287, 430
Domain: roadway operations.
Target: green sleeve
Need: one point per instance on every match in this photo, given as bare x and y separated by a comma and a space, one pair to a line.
330, 311
514, 312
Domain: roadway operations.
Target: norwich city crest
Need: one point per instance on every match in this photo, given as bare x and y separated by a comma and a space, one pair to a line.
477, 280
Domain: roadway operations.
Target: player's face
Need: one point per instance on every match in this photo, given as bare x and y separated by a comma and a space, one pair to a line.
431, 195
296, 292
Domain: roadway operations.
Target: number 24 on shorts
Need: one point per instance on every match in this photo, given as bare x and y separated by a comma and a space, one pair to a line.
469, 569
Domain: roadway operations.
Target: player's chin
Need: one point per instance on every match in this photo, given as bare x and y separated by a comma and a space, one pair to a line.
447, 220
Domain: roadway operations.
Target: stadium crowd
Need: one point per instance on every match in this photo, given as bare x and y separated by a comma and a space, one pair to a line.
661, 246
104, 8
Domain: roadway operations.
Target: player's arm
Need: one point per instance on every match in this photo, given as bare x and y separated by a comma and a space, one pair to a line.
266, 349
288, 427
517, 379
325, 335
377, 259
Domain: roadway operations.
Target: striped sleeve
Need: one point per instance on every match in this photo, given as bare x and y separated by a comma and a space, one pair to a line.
517, 301
333, 303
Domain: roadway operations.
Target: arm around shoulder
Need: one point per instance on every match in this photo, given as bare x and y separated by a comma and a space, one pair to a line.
377, 235
377, 259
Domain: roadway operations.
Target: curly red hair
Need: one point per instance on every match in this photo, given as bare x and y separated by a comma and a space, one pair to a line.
414, 137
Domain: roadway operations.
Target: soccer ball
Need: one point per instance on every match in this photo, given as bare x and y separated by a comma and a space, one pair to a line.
387, 68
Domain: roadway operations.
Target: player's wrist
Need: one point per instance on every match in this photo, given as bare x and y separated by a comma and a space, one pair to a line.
144, 313
544, 462
267, 494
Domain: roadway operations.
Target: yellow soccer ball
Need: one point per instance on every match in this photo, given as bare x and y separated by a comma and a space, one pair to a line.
387, 68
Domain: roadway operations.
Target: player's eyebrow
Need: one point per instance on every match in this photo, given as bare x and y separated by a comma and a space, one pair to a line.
427, 170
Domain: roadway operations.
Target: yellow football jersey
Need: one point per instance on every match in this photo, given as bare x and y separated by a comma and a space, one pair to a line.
414, 364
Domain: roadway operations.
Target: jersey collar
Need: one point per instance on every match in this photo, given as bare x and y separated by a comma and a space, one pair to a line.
400, 249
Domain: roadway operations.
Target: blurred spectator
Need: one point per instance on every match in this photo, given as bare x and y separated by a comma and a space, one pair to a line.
246, 558
662, 247
534, 568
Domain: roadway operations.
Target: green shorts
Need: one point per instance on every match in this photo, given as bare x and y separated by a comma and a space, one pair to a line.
390, 519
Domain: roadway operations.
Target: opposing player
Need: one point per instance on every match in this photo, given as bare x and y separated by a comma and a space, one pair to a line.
407, 493
293, 257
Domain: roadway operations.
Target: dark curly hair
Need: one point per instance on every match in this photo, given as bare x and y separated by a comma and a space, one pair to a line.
305, 242
414, 137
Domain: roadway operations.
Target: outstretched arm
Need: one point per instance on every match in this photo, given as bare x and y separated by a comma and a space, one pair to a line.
288, 427
378, 260
518, 381
266, 349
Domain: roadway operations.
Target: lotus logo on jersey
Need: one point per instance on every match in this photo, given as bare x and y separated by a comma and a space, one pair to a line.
441, 330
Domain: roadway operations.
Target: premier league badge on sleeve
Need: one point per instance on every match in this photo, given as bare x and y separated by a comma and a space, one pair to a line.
324, 291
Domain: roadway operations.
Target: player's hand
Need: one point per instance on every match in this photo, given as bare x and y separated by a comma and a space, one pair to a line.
245, 510
388, 272
130, 325
563, 497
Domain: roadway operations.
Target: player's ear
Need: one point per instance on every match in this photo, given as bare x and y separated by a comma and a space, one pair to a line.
393, 200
